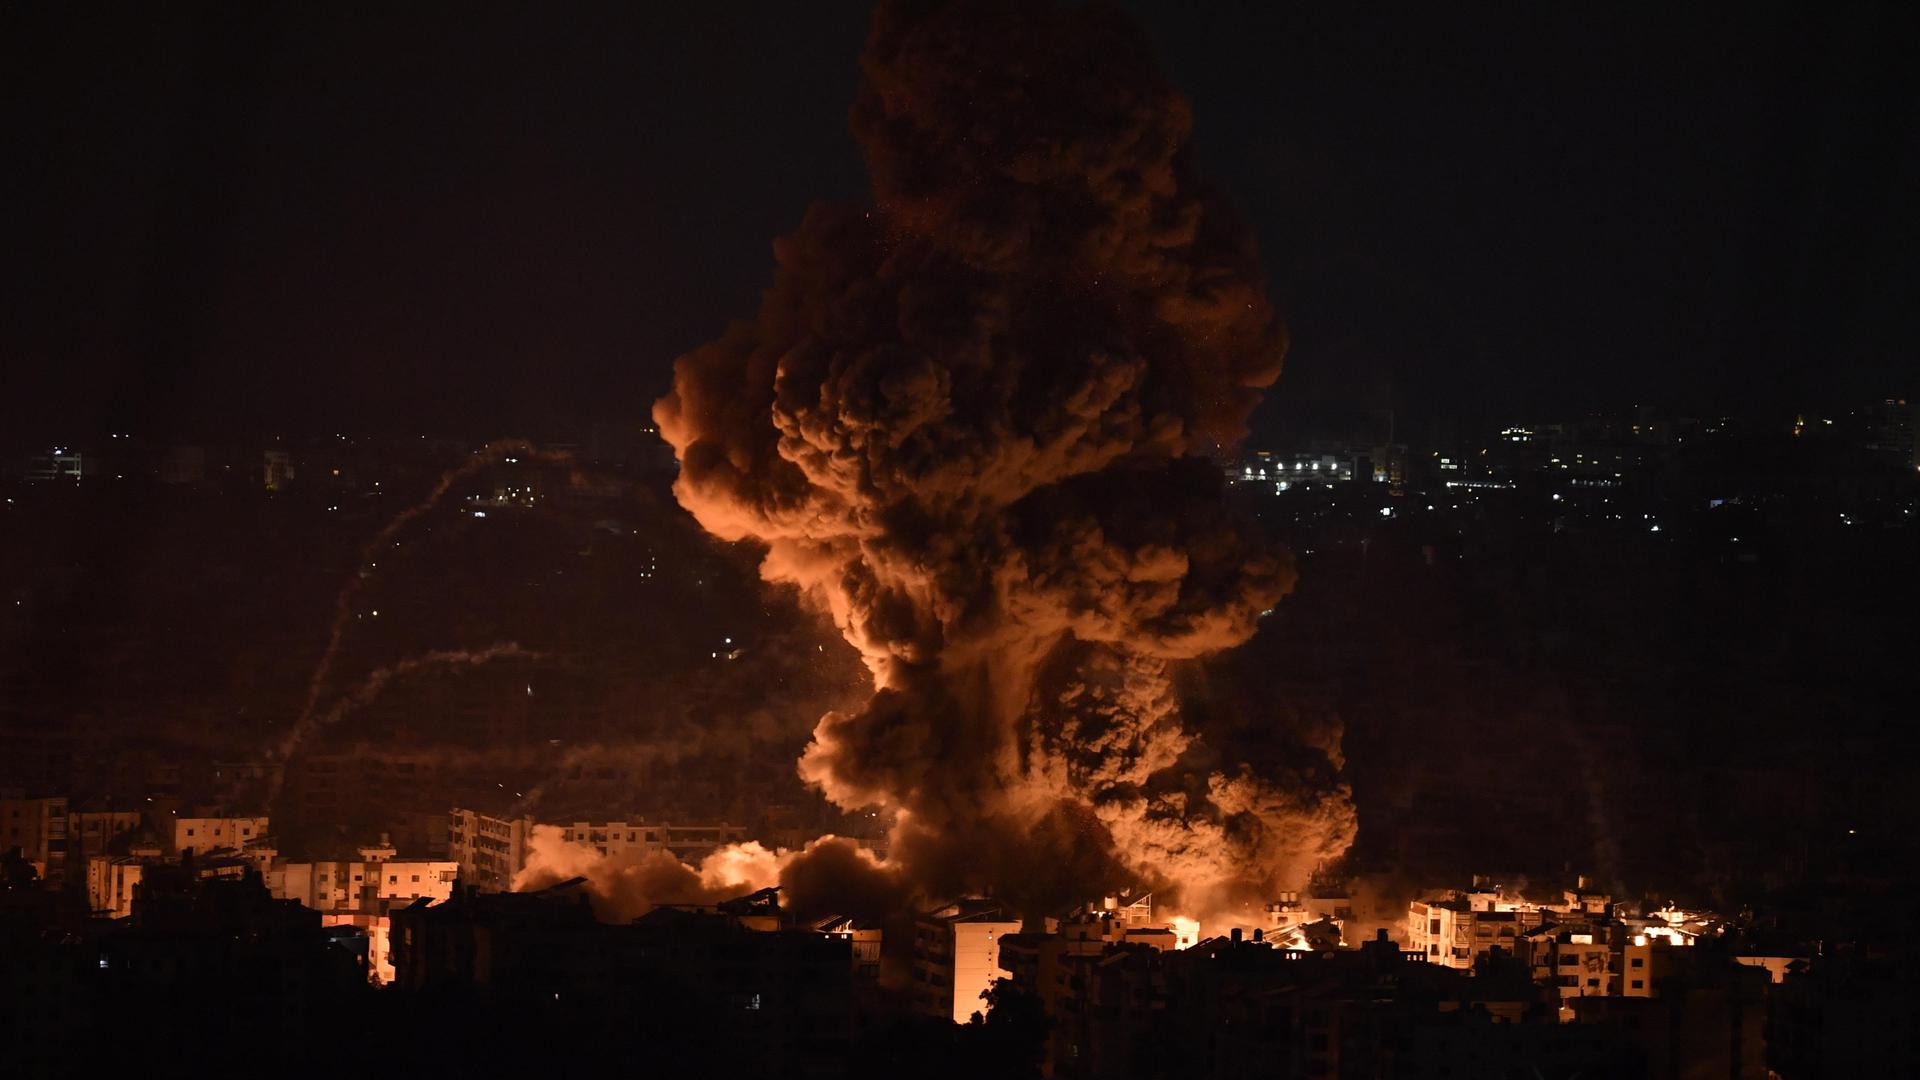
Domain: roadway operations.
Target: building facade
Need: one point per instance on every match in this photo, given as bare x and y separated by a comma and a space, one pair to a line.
487, 850
38, 827
491, 850
203, 834
956, 957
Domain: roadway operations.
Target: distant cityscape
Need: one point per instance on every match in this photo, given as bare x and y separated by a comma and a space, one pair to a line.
101, 907
1674, 905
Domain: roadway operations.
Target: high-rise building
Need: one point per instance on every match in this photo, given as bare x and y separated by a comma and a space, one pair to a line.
956, 957
1890, 430
59, 463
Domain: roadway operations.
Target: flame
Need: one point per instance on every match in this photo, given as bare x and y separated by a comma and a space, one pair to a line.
1186, 932
1293, 939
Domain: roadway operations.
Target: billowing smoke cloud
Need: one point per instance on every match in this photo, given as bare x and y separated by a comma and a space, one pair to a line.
973, 425
830, 876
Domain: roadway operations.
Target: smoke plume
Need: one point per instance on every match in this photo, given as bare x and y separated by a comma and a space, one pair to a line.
830, 876
973, 424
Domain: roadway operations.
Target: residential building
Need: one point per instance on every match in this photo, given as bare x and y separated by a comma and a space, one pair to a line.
488, 850
1458, 933
203, 834
112, 881
492, 849
59, 463
363, 892
956, 956
38, 827
688, 843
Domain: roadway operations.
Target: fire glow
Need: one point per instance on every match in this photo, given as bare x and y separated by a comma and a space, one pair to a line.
980, 434
976, 433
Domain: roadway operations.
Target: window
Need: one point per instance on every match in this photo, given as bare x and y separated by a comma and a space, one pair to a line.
1639, 984
1593, 982
1433, 926
189, 832
393, 879
1433, 950
1569, 960
1639, 961
416, 877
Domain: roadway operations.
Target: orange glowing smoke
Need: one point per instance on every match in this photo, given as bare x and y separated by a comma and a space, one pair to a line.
972, 425
829, 875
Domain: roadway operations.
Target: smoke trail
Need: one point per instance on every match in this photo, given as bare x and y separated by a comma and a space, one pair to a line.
972, 425
375, 683
491, 454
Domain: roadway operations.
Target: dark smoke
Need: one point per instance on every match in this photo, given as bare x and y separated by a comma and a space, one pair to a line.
974, 424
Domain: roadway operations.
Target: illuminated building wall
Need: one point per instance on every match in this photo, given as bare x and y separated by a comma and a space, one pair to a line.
111, 880
61, 463
957, 957
38, 827
204, 834
487, 850
688, 843
1456, 933
368, 887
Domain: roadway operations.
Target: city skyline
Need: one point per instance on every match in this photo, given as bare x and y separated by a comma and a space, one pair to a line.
959, 537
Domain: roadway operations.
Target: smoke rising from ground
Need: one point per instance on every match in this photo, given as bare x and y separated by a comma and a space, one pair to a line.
830, 876
972, 425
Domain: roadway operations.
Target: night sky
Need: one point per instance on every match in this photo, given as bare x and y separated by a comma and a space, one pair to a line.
488, 220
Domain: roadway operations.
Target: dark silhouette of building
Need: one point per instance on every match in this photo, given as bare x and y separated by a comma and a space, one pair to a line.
704, 991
